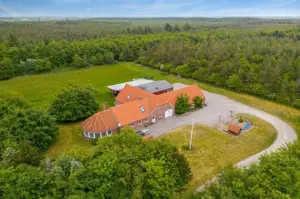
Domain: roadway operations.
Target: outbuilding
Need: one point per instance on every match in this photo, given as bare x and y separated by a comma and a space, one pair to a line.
157, 87
117, 88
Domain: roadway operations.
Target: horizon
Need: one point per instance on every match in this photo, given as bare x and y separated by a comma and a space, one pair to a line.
150, 8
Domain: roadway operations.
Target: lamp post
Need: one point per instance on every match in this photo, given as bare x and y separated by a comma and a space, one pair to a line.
191, 137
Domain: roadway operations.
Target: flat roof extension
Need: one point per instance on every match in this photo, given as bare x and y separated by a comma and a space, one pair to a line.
136, 82
156, 86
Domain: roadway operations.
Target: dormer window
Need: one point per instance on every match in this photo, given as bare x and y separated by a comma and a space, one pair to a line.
128, 97
142, 109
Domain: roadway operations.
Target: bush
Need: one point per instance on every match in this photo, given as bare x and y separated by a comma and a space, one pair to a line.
182, 104
241, 120
36, 126
74, 103
198, 102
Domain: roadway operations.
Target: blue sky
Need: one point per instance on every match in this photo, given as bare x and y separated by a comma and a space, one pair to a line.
150, 8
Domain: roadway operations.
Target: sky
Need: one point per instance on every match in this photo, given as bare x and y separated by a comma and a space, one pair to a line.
149, 8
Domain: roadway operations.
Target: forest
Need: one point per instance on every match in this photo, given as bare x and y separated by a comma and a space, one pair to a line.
263, 62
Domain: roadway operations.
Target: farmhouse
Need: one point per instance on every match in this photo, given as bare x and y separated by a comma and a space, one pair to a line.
135, 107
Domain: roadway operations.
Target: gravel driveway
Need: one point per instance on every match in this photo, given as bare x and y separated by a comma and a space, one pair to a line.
221, 105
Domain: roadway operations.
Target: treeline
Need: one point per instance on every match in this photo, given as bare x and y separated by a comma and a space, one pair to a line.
276, 176
265, 64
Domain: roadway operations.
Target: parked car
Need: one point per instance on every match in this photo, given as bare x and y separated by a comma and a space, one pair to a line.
144, 132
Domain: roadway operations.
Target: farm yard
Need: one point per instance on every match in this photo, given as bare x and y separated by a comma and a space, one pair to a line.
40, 89
213, 150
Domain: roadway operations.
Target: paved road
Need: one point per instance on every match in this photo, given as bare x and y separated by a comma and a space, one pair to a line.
221, 105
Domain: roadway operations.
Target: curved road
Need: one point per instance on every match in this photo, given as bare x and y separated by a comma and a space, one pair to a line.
221, 105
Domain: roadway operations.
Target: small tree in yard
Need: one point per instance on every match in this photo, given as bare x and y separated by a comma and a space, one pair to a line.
198, 102
74, 103
182, 104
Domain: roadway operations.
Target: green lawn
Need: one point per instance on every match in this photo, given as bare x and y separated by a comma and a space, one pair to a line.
213, 150
40, 90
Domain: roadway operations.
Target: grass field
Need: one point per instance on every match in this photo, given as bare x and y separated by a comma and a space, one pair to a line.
40, 90
213, 150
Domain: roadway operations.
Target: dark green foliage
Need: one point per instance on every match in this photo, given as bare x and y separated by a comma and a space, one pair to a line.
241, 120
276, 176
28, 124
97, 59
109, 58
24, 182
124, 166
6, 68
198, 102
74, 103
182, 104
79, 62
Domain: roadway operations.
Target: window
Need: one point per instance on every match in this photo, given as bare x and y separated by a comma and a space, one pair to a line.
153, 117
140, 122
109, 132
160, 115
146, 120
90, 135
128, 97
133, 124
142, 109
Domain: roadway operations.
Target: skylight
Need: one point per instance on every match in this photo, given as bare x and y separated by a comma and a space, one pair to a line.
128, 97
142, 109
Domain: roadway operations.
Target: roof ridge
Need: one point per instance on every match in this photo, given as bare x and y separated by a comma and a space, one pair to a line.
114, 116
103, 122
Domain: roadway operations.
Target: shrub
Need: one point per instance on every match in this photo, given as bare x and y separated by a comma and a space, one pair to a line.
182, 104
36, 126
241, 120
198, 102
74, 103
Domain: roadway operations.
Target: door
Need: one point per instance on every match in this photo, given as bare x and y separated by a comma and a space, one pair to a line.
153, 119
168, 113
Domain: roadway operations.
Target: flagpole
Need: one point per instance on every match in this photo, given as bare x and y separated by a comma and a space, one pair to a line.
191, 137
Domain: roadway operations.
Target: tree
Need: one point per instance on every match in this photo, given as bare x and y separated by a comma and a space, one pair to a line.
198, 102
124, 166
127, 55
168, 27
109, 58
79, 62
74, 103
182, 104
97, 59
6, 68
177, 28
43, 65
34, 126
234, 82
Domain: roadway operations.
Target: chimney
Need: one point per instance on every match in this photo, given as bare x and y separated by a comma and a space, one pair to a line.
104, 106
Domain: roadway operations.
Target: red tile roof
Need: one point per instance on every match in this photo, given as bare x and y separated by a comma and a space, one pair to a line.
131, 93
234, 129
100, 122
171, 97
137, 105
132, 111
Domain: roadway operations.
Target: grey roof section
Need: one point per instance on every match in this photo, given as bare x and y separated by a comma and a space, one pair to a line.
135, 82
157, 86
